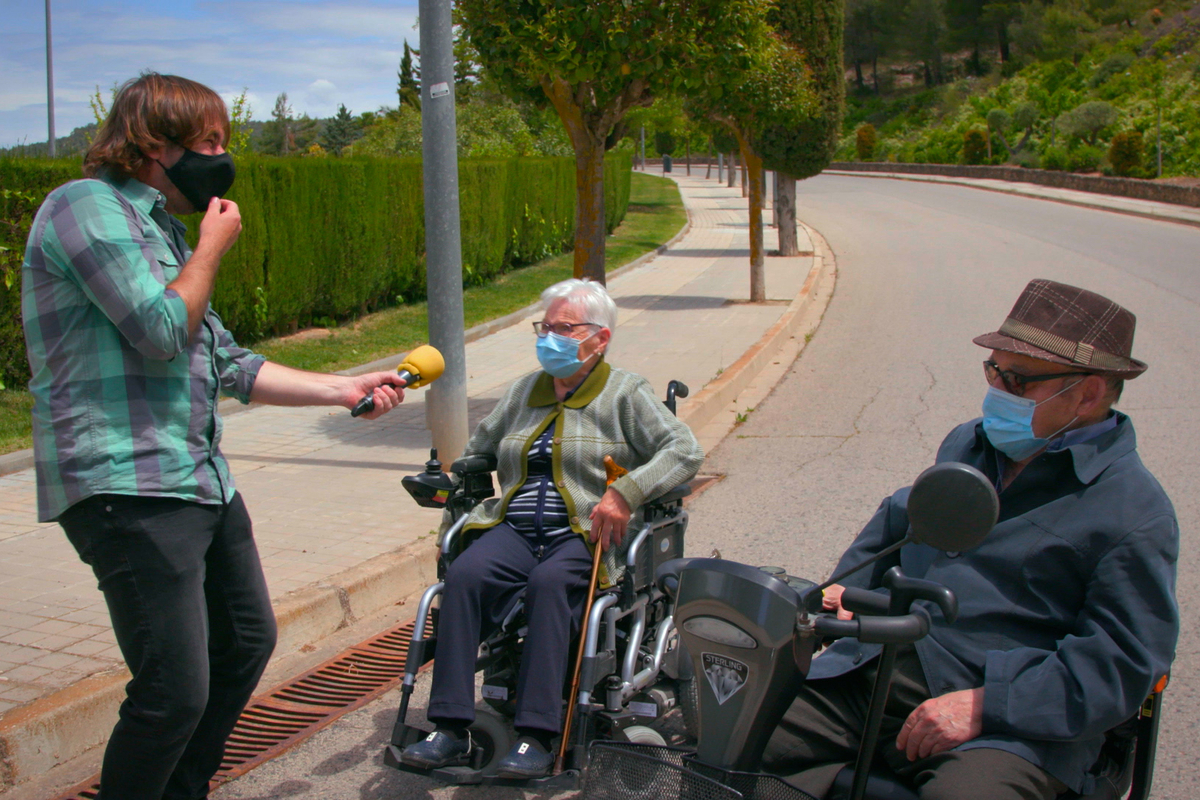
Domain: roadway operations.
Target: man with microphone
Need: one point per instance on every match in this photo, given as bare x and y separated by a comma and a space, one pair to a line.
128, 363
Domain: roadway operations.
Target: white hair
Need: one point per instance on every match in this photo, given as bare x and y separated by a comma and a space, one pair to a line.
589, 296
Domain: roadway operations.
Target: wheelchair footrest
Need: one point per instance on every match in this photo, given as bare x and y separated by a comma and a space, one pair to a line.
454, 776
567, 780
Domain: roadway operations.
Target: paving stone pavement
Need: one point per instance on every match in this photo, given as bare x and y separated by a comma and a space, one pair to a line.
324, 489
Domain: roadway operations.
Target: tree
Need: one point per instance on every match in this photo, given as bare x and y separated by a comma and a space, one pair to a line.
279, 134
799, 140
408, 89
1088, 120
772, 98
867, 33
925, 30
593, 62
340, 132
239, 124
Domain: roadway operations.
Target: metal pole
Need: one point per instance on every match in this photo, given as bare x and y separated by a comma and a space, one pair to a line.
50, 83
446, 400
1158, 141
720, 167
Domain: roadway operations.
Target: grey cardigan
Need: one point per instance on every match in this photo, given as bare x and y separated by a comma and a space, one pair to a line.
612, 413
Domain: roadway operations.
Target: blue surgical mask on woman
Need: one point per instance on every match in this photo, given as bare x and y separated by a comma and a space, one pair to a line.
1008, 423
559, 355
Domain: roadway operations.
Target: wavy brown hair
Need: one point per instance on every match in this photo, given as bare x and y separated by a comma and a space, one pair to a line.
149, 111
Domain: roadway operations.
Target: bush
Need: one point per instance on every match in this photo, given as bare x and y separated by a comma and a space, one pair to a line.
1125, 153
1113, 65
664, 143
1085, 158
1025, 158
864, 142
334, 238
974, 146
1054, 158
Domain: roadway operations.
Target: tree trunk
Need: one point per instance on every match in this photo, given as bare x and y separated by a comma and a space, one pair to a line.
589, 211
708, 170
1002, 36
731, 170
785, 215
752, 165
745, 181
875, 73
858, 76
775, 201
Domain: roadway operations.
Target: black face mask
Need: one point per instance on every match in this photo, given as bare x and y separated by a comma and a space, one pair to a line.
200, 178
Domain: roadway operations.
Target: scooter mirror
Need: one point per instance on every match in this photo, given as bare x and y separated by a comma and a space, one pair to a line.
952, 507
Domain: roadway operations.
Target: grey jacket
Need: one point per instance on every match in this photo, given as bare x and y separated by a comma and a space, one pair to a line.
612, 413
1067, 611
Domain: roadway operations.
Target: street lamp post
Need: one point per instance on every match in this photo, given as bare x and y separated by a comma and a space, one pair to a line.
446, 401
50, 82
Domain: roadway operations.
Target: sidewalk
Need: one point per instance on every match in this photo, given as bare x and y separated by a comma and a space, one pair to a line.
1167, 212
339, 538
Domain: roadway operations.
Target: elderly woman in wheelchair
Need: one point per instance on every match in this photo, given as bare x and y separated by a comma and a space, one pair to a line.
549, 435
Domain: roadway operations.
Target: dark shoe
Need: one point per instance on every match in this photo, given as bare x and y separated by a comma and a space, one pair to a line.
438, 749
527, 759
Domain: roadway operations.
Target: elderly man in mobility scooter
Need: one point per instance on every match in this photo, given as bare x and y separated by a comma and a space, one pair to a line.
549, 434
1067, 614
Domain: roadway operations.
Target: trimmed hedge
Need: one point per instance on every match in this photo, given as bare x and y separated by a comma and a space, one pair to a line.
334, 238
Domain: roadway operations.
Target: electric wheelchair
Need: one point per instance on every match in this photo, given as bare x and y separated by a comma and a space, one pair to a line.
631, 672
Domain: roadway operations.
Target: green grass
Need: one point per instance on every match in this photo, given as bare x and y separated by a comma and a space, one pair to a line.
15, 422
655, 215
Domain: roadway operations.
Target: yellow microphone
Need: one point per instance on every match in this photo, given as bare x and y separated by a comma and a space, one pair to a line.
421, 367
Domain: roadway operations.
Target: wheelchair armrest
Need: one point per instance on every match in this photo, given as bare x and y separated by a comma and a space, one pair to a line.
476, 463
674, 495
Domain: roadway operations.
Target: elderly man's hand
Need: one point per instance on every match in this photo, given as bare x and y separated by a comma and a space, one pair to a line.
831, 600
609, 519
942, 723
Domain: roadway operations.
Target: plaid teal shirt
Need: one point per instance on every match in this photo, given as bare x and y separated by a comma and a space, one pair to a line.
124, 403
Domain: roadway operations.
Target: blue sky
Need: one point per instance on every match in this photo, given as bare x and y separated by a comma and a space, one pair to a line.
321, 52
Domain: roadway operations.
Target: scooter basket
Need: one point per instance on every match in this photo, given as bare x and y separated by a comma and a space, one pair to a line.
626, 771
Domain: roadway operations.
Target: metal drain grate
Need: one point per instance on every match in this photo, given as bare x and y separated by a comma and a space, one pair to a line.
279, 720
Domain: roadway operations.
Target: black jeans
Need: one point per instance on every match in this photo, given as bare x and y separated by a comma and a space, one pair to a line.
192, 617
481, 587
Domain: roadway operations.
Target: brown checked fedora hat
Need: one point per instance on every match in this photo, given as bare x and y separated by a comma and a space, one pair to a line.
1068, 325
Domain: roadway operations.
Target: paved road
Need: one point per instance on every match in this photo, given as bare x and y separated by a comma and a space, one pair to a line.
923, 268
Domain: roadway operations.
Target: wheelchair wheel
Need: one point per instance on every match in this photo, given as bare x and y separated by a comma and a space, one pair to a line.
640, 734
492, 737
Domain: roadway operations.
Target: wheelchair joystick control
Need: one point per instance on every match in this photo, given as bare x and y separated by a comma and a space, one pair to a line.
431, 488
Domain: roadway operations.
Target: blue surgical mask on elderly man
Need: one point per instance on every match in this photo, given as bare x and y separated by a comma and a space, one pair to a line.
559, 355
1008, 423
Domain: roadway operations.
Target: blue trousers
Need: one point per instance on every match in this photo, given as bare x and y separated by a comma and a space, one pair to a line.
482, 585
191, 614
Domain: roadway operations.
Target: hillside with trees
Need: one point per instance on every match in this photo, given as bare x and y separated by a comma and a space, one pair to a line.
1082, 85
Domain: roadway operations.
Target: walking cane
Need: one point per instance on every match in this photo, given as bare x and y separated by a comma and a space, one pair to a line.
612, 471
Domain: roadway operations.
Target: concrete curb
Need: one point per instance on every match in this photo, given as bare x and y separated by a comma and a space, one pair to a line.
972, 184
725, 388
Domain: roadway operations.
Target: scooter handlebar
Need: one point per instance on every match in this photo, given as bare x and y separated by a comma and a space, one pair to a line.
864, 601
905, 591
904, 629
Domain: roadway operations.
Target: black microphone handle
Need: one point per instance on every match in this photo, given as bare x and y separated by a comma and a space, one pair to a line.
367, 404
